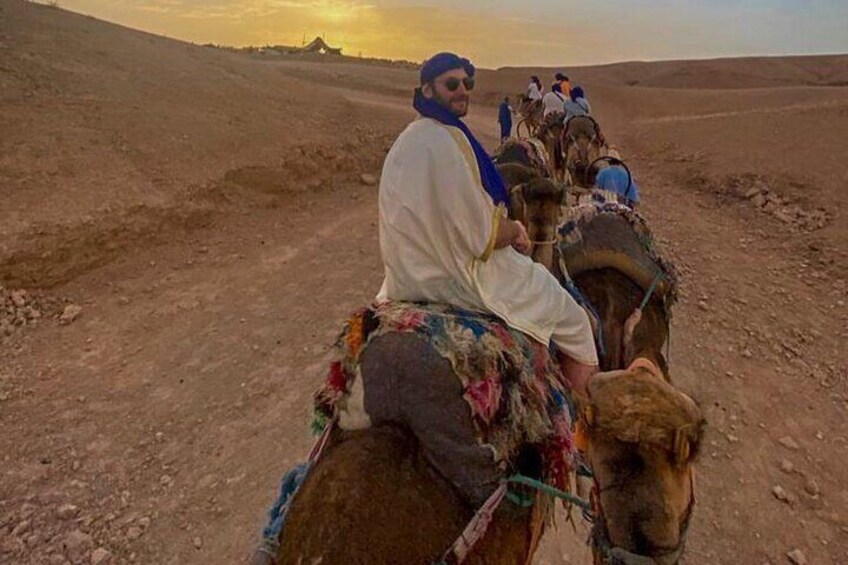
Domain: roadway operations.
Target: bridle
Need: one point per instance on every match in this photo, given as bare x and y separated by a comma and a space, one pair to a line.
604, 551
607, 553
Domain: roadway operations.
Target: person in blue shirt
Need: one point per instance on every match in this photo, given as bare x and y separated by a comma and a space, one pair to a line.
505, 118
616, 179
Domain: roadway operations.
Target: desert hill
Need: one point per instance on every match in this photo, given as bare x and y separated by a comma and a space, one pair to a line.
728, 73
110, 134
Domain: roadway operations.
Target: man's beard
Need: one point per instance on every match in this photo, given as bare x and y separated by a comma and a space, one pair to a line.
454, 103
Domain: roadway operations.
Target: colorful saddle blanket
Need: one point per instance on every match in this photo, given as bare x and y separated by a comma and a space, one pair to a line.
512, 384
529, 152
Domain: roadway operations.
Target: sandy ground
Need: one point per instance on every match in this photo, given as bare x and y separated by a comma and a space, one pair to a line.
207, 213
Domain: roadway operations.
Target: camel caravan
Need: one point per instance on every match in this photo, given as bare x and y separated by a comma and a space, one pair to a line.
400, 475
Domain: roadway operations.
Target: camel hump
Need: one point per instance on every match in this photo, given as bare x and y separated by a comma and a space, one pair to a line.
614, 236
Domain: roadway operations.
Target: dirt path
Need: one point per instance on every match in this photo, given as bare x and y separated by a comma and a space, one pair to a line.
735, 113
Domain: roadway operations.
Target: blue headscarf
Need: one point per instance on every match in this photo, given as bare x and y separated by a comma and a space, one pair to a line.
577, 92
442, 63
429, 108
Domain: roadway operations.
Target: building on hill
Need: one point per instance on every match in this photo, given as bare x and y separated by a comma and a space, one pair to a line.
318, 45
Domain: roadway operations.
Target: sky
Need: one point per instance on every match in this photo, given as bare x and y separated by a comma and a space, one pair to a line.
496, 33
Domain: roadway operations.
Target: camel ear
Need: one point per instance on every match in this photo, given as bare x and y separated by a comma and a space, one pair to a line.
682, 448
516, 202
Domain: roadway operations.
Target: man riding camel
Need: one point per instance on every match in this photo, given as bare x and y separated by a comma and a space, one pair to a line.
445, 238
444, 234
554, 101
577, 104
564, 84
534, 89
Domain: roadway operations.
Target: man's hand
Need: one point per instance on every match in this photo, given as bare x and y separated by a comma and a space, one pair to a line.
522, 242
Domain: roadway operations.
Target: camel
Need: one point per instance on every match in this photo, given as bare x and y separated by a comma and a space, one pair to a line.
581, 145
634, 421
640, 436
550, 133
531, 115
536, 202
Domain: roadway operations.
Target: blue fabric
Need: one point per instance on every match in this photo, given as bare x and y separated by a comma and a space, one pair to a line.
277, 515
506, 130
556, 87
577, 92
615, 179
492, 181
471, 323
442, 63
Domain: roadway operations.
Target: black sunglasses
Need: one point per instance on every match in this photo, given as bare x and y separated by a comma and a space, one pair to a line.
452, 83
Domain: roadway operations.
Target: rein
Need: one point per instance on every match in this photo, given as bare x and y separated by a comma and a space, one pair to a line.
610, 554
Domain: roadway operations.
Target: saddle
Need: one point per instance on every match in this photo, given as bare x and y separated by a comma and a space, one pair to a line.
529, 152
602, 233
512, 384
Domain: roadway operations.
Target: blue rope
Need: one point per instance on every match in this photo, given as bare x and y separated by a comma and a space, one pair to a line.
277, 515
548, 489
651, 290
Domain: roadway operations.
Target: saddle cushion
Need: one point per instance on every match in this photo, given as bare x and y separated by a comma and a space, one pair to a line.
599, 232
512, 384
529, 152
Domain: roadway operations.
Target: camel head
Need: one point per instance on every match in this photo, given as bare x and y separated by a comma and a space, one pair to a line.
536, 204
550, 134
641, 436
581, 145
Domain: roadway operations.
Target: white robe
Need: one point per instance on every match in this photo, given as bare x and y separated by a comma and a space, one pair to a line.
437, 234
553, 102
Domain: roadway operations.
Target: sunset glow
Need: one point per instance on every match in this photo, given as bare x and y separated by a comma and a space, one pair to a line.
534, 32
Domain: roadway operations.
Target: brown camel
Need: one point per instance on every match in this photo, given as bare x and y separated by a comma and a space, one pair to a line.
640, 433
373, 498
537, 203
581, 145
550, 133
530, 112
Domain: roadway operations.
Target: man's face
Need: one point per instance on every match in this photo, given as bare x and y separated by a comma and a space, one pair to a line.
455, 101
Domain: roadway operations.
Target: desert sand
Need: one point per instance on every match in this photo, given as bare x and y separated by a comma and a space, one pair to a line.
207, 213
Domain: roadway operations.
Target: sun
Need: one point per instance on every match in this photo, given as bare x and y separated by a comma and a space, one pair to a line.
339, 12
